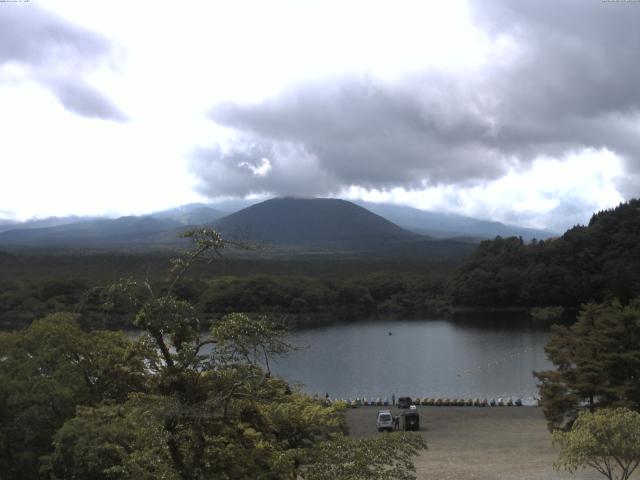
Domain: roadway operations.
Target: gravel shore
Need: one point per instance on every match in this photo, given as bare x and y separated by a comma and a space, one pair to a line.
478, 443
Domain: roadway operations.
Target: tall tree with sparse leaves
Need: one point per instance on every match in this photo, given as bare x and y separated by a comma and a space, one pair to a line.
210, 407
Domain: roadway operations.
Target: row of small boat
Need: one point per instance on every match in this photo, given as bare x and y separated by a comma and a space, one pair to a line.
434, 402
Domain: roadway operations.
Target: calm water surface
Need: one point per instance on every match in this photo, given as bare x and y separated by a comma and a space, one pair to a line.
428, 358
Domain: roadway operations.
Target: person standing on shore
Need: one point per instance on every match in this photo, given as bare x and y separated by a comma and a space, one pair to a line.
393, 399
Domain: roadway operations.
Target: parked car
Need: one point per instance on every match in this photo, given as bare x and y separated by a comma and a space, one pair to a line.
384, 421
411, 420
404, 402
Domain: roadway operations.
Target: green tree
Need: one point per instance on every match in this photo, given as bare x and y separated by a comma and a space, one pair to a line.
48, 369
219, 396
597, 363
176, 403
212, 409
607, 440
124, 441
387, 457
253, 341
588, 263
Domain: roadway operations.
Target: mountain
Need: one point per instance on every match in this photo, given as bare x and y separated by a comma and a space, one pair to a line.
6, 225
293, 225
97, 233
234, 204
158, 228
303, 225
317, 223
191, 214
449, 225
422, 222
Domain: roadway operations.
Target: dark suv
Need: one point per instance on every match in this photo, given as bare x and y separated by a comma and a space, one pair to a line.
411, 419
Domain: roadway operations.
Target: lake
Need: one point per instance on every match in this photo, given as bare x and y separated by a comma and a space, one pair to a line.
425, 358
479, 356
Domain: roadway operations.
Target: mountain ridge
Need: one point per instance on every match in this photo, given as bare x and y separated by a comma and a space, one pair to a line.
393, 224
450, 225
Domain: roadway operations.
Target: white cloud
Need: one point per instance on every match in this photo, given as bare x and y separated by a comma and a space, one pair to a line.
55, 163
169, 64
553, 193
260, 169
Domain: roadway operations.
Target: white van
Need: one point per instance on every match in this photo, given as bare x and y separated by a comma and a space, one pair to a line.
385, 420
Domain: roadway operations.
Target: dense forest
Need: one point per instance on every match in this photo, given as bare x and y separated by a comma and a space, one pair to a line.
302, 291
300, 299
596, 262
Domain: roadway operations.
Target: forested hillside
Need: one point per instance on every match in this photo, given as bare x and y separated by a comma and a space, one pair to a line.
593, 262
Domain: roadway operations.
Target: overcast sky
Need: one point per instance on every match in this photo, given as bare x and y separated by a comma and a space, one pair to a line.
526, 111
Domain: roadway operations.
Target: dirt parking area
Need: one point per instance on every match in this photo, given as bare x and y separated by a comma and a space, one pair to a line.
478, 443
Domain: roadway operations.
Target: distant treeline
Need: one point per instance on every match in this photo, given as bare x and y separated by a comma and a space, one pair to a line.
300, 299
596, 262
369, 296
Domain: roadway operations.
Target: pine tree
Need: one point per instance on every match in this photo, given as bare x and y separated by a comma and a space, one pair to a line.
597, 363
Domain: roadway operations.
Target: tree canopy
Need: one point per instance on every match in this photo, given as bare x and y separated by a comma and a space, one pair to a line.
46, 371
380, 458
607, 440
596, 262
597, 362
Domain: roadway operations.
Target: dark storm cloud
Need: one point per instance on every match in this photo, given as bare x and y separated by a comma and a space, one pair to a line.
357, 131
56, 54
232, 172
577, 82
574, 84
